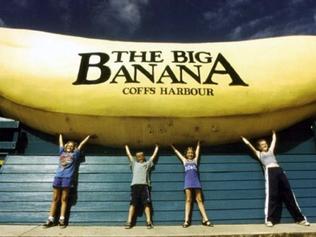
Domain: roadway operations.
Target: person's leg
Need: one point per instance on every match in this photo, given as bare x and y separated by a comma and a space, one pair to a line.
55, 201
188, 206
200, 203
273, 200
53, 207
131, 213
290, 200
132, 207
146, 201
148, 213
64, 203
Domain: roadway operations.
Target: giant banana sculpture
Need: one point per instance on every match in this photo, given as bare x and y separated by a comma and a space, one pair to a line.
146, 93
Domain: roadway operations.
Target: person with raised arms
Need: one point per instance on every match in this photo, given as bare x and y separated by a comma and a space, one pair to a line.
69, 154
277, 186
192, 185
140, 186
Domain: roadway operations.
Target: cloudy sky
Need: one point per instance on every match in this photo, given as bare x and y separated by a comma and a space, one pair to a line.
163, 20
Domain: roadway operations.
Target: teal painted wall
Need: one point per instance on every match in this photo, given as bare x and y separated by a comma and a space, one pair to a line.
232, 181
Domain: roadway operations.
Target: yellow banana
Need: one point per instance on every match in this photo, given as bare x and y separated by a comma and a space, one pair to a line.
145, 93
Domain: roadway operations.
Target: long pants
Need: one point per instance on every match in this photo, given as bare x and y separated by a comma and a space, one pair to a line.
278, 190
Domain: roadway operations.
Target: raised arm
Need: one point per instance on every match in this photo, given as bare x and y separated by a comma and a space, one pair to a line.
273, 142
179, 155
197, 151
61, 142
83, 142
129, 154
154, 155
254, 150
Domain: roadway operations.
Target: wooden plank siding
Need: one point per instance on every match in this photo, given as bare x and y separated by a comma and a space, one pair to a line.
233, 187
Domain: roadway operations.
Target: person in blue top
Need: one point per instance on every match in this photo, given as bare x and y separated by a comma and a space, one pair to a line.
277, 186
192, 185
68, 157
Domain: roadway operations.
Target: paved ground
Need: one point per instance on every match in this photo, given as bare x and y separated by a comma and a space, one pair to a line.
288, 230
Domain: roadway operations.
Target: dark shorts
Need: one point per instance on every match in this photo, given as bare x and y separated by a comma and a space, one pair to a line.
62, 182
140, 195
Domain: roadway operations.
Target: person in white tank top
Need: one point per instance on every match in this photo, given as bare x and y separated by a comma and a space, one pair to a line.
277, 186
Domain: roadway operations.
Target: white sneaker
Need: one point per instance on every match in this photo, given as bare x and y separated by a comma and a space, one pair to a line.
269, 224
304, 223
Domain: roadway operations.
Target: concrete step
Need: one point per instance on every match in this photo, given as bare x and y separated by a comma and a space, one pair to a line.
259, 230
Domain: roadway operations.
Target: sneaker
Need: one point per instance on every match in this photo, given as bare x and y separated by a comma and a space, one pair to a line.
186, 224
269, 224
48, 224
304, 223
61, 223
128, 225
149, 225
